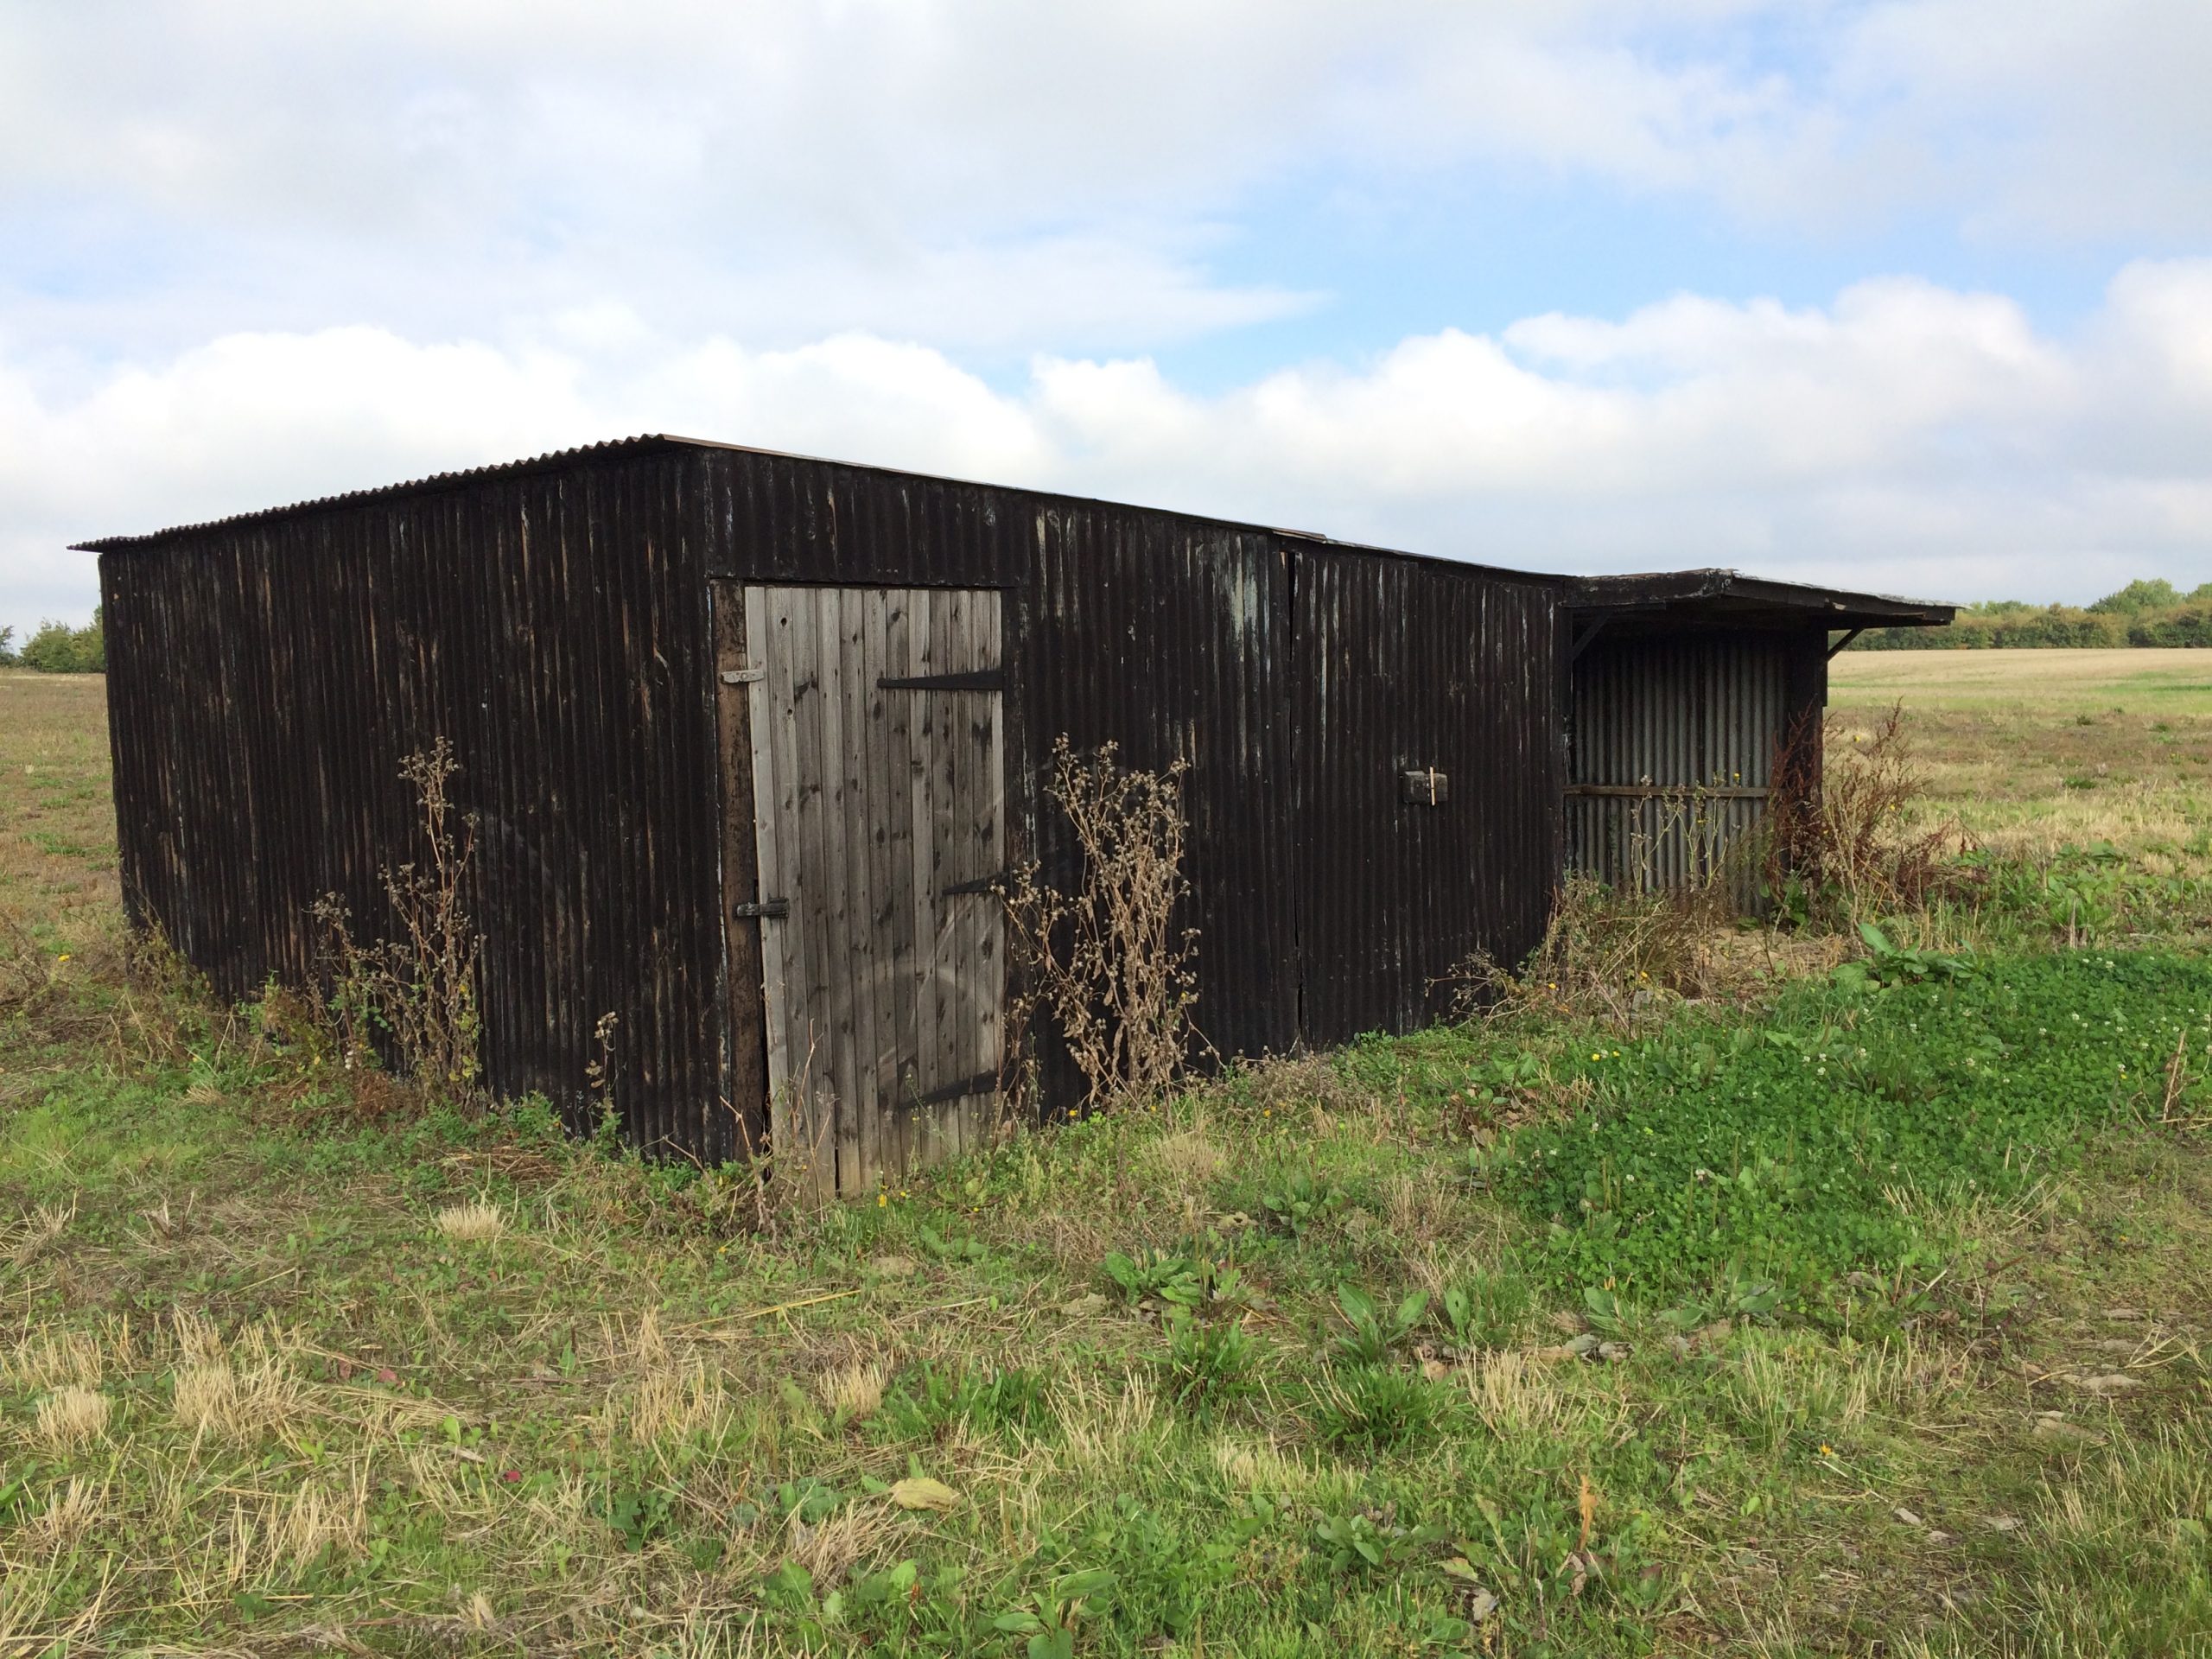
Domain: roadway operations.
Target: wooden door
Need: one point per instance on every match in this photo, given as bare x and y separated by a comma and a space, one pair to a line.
879, 785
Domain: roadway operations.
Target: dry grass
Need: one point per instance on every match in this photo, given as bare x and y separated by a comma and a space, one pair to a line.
588, 1438
57, 821
675, 1403
1516, 1394
237, 1391
2034, 751
1267, 1468
1187, 1159
48, 1359
475, 1223
73, 1417
2058, 681
853, 1392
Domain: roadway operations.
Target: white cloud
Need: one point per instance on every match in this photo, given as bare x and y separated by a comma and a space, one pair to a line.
1905, 437
996, 175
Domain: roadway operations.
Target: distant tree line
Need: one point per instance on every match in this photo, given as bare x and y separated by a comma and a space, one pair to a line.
2153, 612
57, 648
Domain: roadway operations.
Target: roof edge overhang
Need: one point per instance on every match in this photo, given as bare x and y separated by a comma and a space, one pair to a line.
1718, 598
670, 442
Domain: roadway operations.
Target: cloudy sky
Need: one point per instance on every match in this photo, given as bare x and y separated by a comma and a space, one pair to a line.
1914, 296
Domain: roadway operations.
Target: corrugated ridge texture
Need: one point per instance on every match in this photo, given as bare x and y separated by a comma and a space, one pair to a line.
1691, 713
1404, 667
777, 518
269, 677
1169, 637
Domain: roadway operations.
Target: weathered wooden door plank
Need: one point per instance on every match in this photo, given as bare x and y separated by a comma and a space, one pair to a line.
877, 785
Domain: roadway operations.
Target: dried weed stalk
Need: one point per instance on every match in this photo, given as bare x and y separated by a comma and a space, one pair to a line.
1842, 831
1107, 958
1612, 955
413, 995
1838, 843
25, 969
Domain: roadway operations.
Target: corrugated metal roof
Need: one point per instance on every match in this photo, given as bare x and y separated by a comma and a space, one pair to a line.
609, 448
1730, 595
645, 443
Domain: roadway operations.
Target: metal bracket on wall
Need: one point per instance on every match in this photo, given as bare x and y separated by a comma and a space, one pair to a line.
1428, 787
982, 679
766, 910
1590, 630
981, 884
983, 1082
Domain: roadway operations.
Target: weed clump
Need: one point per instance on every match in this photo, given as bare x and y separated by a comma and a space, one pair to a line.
1842, 840
413, 994
1106, 958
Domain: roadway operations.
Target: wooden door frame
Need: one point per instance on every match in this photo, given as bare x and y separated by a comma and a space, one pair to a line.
849, 644
742, 1127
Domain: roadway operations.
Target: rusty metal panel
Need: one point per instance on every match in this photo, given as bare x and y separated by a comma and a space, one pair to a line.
1673, 748
1403, 667
550, 621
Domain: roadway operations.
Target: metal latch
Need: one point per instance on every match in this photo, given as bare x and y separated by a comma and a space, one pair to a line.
743, 676
1428, 787
767, 910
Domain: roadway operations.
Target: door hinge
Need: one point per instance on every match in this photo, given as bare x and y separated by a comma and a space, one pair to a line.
981, 679
981, 884
983, 1082
766, 910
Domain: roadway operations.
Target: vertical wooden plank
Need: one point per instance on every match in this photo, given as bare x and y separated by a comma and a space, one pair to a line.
770, 711
829, 954
890, 913
948, 619
745, 1079
926, 1136
814, 1098
813, 1036
990, 914
856, 824
971, 712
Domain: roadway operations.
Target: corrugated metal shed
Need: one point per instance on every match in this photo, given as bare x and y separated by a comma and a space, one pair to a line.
1379, 744
1684, 687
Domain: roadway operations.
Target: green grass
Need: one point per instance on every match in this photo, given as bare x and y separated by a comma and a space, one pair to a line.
1163, 1411
1376, 1353
1801, 1148
2093, 682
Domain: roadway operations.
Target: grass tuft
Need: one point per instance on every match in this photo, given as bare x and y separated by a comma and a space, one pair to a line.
72, 1417
475, 1223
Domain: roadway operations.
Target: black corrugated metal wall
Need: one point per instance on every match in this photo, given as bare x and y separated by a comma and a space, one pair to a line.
552, 620
267, 679
1169, 637
1403, 666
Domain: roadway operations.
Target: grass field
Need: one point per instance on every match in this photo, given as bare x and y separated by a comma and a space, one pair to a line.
2034, 750
1846, 1317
